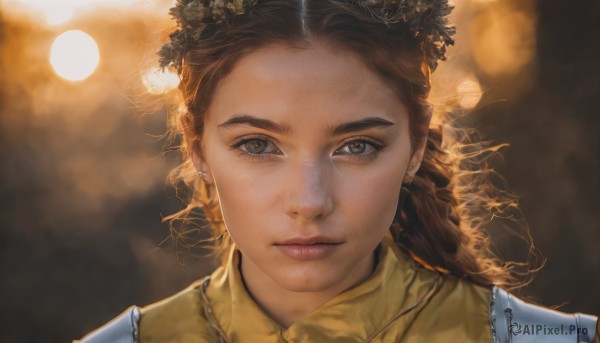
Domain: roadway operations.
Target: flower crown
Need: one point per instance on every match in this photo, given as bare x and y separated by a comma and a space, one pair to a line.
426, 19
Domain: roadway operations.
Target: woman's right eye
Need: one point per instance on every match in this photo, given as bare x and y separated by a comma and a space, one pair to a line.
256, 146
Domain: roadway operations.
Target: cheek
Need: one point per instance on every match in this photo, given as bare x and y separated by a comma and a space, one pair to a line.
371, 203
243, 196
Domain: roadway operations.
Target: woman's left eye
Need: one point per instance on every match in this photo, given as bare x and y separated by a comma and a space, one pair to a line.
359, 148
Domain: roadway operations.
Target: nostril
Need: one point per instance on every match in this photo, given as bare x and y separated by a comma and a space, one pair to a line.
308, 193
309, 204
310, 210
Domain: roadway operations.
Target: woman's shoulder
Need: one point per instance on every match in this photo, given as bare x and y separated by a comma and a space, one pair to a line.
495, 311
122, 329
178, 318
511, 317
458, 311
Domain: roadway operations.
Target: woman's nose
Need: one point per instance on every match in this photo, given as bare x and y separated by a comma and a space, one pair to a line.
308, 193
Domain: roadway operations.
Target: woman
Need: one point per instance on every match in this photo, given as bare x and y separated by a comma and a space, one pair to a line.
309, 143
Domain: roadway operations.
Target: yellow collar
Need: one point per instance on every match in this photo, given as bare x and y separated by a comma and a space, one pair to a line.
394, 293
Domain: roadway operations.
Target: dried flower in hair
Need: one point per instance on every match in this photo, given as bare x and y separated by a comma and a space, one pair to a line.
426, 20
192, 17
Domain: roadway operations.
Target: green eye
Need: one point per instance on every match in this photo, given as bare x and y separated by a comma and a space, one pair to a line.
256, 148
359, 147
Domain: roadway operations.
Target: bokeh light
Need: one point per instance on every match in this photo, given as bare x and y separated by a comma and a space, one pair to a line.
74, 55
469, 93
503, 41
158, 81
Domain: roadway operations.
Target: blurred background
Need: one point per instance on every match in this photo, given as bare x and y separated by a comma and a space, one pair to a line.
83, 177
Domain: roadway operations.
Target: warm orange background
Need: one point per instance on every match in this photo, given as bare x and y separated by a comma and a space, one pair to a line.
83, 173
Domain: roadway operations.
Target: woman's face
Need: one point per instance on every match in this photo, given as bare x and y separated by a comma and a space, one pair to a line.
307, 149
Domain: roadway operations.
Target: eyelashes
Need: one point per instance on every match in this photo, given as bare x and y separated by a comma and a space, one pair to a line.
260, 148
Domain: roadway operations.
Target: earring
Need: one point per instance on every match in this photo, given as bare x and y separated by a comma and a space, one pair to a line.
405, 189
201, 174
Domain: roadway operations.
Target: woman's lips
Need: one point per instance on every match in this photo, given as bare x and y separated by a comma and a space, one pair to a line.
308, 248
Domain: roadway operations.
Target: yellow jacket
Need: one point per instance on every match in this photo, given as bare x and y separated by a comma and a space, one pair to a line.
400, 302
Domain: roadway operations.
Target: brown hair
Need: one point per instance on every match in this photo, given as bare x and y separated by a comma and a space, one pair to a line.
440, 222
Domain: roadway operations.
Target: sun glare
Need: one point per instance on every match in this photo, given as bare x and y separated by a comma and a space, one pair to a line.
74, 55
157, 81
58, 12
58, 17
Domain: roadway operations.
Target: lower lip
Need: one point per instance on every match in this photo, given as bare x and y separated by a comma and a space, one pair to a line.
307, 252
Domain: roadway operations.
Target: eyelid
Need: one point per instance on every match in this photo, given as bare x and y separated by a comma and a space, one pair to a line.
258, 137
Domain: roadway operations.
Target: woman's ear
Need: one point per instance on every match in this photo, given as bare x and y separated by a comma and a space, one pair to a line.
419, 151
194, 143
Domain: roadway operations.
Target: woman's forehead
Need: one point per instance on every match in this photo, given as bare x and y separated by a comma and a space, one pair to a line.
318, 80
306, 66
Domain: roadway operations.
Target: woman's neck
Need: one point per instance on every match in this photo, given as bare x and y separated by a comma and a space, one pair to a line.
286, 307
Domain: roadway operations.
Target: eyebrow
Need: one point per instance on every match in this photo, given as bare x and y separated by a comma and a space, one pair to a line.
266, 124
260, 123
360, 125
